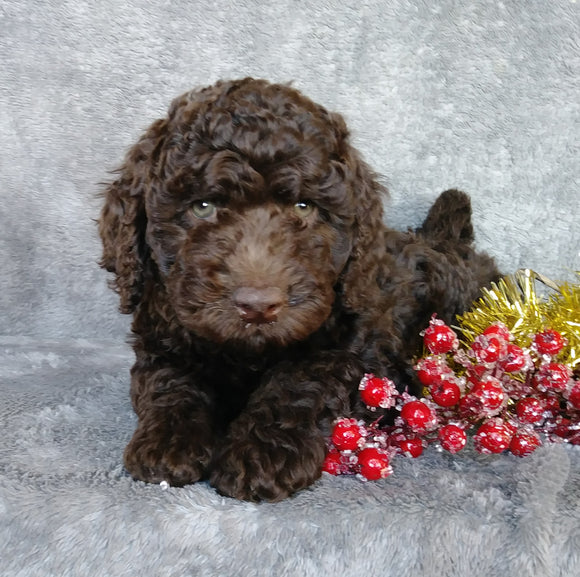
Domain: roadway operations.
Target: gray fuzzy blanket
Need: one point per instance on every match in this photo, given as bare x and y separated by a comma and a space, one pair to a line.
68, 508
476, 95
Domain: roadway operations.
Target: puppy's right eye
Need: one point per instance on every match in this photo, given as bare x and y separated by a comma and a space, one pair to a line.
204, 210
303, 209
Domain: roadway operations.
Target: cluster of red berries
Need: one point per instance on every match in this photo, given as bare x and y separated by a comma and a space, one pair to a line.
512, 397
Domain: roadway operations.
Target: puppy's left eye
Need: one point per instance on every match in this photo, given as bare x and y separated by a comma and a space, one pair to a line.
204, 210
303, 209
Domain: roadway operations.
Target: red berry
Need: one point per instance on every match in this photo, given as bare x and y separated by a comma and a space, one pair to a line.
493, 437
418, 416
411, 447
488, 348
431, 370
439, 338
574, 396
574, 439
530, 410
551, 404
452, 438
347, 435
332, 462
446, 393
499, 330
562, 428
524, 443
374, 464
490, 391
476, 372
516, 359
549, 342
471, 406
552, 376
376, 392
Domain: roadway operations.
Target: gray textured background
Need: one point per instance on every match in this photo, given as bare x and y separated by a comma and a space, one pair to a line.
478, 95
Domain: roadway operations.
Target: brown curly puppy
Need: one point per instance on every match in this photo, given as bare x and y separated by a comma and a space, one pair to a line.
246, 236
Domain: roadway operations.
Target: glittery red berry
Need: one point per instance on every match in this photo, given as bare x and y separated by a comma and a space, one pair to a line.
498, 330
493, 436
376, 392
471, 406
445, 393
530, 410
574, 396
490, 391
332, 462
347, 435
551, 403
549, 342
452, 438
418, 416
488, 348
574, 439
374, 464
552, 376
524, 443
515, 359
476, 372
439, 338
562, 427
411, 447
431, 370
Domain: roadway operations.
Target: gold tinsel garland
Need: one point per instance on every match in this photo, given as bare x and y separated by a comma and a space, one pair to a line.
515, 301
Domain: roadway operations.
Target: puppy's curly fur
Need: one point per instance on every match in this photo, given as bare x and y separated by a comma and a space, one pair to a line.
246, 236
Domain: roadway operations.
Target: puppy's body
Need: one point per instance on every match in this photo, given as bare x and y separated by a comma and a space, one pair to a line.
247, 238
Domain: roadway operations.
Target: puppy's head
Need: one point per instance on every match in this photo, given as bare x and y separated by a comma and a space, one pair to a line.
250, 209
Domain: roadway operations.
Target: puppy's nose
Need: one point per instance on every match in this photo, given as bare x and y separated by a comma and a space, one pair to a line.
258, 305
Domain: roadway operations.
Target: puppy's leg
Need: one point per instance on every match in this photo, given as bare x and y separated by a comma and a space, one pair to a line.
174, 438
277, 445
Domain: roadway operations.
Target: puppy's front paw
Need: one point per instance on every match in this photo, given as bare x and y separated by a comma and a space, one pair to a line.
270, 466
155, 455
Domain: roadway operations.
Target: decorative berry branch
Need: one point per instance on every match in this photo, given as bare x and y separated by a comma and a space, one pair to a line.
513, 390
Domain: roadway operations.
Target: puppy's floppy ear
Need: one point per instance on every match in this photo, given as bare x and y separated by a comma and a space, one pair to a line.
361, 275
123, 220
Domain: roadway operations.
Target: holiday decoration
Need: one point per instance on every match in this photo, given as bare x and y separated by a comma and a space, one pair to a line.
452, 438
374, 463
348, 435
377, 392
510, 380
439, 338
